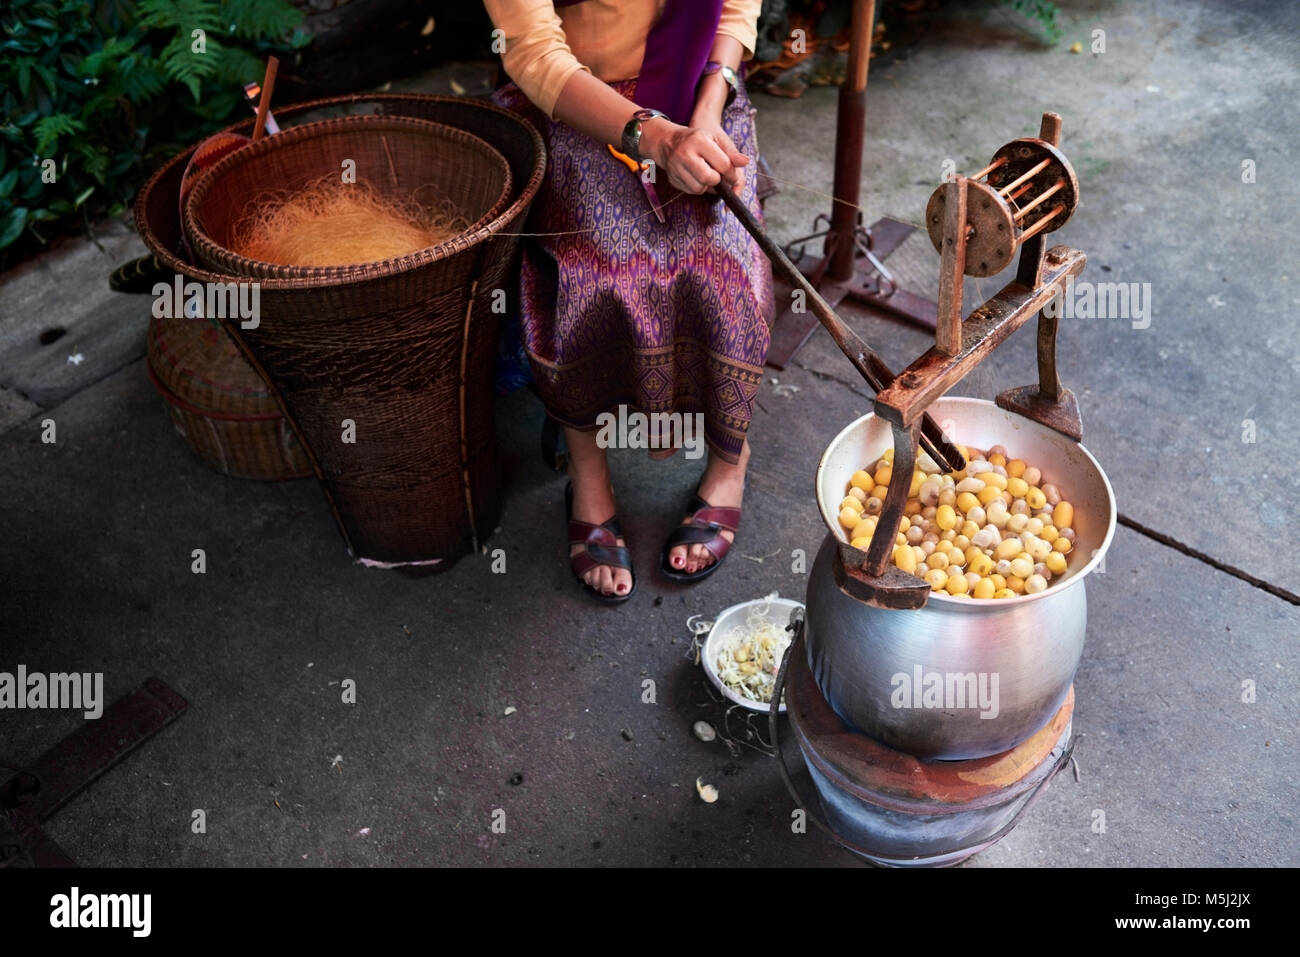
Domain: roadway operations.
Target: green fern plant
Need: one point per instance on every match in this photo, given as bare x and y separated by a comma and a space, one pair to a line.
95, 92
1044, 11
190, 55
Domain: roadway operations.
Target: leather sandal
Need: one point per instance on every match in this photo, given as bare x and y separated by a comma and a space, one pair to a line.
707, 523
600, 547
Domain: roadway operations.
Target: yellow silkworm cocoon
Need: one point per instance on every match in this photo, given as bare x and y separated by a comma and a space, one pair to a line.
1007, 548
905, 558
945, 517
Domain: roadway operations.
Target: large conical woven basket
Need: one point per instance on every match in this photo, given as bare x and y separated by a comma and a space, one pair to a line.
404, 348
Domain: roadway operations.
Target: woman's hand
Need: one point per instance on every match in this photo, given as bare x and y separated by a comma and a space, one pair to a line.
695, 158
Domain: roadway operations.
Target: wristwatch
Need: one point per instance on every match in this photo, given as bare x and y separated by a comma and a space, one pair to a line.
728, 74
631, 141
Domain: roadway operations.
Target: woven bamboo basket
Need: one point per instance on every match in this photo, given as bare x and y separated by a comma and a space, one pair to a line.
218, 403
495, 246
400, 156
369, 359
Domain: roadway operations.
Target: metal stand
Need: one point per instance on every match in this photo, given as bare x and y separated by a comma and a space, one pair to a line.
851, 262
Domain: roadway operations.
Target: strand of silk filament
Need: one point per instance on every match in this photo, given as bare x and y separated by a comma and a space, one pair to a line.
324, 224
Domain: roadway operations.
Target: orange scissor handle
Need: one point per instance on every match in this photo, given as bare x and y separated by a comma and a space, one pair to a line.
623, 158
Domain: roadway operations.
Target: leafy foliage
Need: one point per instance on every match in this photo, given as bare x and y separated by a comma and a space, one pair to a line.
106, 88
1044, 11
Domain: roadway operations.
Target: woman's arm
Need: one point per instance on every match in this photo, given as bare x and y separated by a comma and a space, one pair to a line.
693, 158
712, 95
711, 99
538, 58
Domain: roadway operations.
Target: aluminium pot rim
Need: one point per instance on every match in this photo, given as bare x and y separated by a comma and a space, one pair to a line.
1075, 577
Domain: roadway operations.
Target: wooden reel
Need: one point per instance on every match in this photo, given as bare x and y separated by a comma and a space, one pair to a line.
1028, 188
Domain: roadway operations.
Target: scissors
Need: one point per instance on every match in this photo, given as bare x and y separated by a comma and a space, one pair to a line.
638, 169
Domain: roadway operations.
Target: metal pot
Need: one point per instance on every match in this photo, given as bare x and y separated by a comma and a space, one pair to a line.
959, 678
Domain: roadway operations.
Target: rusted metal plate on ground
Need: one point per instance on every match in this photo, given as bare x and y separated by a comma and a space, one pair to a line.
96, 746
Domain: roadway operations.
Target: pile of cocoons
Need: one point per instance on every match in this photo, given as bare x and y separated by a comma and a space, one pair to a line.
993, 530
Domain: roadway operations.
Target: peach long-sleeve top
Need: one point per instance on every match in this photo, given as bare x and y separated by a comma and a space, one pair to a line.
545, 47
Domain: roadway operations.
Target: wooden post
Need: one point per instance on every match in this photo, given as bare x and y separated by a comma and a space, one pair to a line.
850, 130
1049, 382
952, 268
1050, 128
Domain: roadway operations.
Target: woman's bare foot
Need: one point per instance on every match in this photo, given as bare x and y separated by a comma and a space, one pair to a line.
593, 502
723, 485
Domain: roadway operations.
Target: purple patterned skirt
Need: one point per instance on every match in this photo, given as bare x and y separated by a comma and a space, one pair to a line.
622, 309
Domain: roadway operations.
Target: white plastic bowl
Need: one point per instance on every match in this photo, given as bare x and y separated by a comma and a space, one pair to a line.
779, 612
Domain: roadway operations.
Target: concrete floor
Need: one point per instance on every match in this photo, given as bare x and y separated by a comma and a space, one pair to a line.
99, 527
